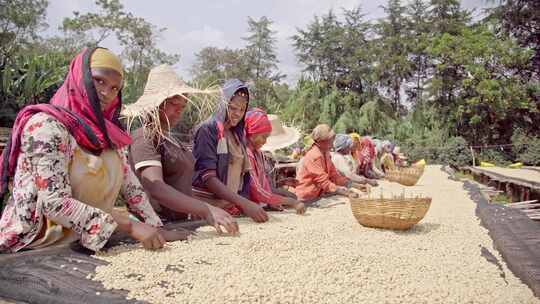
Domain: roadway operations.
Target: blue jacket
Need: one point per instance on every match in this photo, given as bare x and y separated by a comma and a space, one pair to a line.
210, 148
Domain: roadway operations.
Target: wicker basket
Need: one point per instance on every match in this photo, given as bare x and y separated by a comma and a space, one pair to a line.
405, 176
396, 213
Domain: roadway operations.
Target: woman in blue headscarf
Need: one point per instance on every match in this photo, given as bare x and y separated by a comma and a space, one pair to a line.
221, 163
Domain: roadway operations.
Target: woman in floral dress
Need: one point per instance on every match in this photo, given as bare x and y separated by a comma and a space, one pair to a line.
66, 164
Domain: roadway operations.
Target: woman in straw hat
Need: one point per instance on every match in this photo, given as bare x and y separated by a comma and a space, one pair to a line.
68, 164
344, 162
163, 165
258, 129
221, 163
317, 175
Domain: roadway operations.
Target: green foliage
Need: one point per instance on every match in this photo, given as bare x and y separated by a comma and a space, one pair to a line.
135, 35
20, 21
337, 52
455, 152
394, 66
29, 79
501, 199
472, 89
495, 156
520, 19
526, 148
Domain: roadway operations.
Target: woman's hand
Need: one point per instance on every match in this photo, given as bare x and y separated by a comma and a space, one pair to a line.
298, 206
148, 235
342, 191
255, 212
218, 218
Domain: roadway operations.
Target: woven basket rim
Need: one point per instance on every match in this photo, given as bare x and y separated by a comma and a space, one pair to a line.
391, 200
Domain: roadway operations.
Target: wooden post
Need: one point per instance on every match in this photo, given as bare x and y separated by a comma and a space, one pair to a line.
510, 192
473, 158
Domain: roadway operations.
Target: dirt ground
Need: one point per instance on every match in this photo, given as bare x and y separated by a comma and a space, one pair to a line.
325, 256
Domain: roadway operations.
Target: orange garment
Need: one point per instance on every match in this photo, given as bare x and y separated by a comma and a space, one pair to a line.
317, 175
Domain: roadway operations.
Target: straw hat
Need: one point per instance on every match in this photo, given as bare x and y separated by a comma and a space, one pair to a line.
162, 83
281, 136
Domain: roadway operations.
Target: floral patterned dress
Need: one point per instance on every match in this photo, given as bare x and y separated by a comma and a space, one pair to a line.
42, 191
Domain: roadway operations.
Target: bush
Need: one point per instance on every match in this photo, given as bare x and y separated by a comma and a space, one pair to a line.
494, 156
455, 152
29, 79
526, 148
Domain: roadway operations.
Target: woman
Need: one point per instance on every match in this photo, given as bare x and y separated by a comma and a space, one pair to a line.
364, 153
344, 162
387, 158
162, 164
68, 164
258, 129
317, 175
221, 163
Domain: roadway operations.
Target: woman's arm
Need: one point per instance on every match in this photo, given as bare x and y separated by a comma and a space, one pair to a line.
152, 179
136, 199
250, 208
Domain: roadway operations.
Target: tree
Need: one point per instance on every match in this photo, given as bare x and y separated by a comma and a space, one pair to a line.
521, 19
20, 21
447, 16
135, 35
260, 50
393, 66
418, 36
215, 65
262, 60
488, 100
338, 53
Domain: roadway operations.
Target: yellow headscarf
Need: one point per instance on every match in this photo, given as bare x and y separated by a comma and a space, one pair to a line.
355, 136
103, 58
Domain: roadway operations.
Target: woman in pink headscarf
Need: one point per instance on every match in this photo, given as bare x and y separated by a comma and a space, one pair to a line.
66, 164
364, 153
258, 128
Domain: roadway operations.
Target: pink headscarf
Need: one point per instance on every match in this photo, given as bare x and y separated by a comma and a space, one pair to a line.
77, 107
256, 122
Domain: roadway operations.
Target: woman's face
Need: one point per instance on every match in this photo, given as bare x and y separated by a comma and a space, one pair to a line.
236, 110
326, 145
258, 140
171, 110
108, 83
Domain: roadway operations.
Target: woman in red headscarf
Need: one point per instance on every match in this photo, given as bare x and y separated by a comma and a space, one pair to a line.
66, 164
364, 153
258, 128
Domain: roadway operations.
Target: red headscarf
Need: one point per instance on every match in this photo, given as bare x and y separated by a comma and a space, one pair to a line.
77, 107
365, 153
256, 122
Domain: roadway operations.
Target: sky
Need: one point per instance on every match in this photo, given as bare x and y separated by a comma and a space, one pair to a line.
193, 25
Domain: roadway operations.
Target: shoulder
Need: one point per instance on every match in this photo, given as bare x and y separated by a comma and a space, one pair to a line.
139, 139
137, 134
314, 153
207, 128
45, 134
45, 126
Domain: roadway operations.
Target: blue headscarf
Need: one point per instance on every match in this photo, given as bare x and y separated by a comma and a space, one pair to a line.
342, 141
